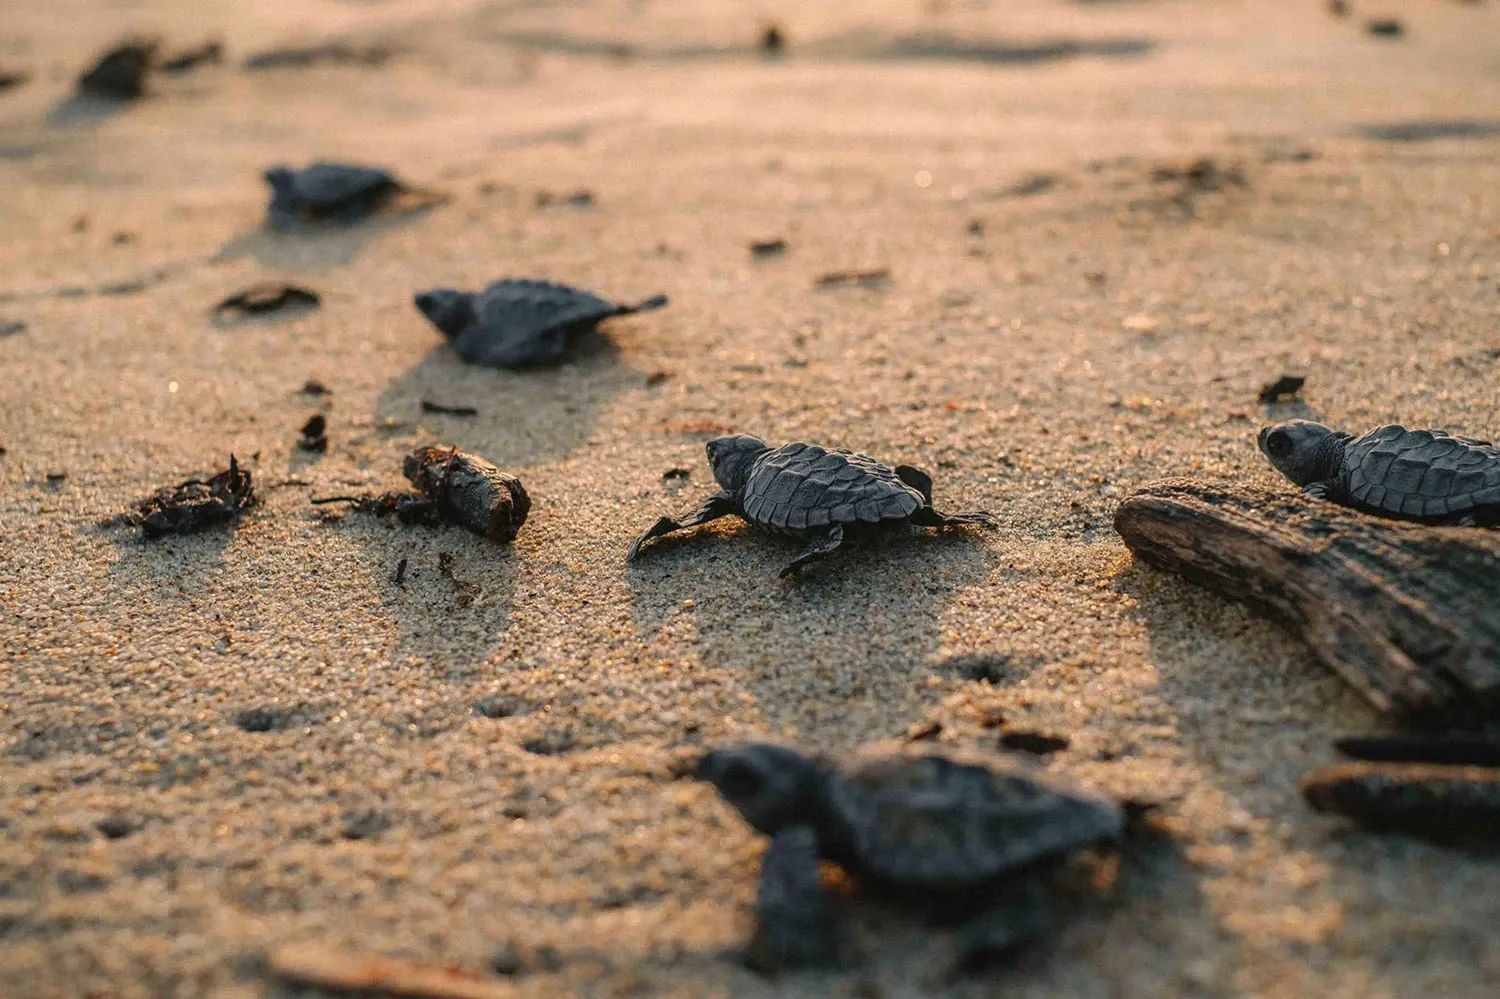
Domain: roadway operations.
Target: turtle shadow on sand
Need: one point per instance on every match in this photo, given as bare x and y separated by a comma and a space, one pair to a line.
446, 590
1234, 678
840, 654
523, 417
84, 111
317, 249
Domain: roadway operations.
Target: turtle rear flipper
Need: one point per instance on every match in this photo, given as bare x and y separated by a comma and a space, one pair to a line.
823, 543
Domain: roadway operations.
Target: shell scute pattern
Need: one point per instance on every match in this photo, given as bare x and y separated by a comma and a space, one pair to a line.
947, 822
1422, 473
799, 486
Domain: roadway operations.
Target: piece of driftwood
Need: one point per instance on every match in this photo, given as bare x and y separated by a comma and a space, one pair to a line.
1407, 614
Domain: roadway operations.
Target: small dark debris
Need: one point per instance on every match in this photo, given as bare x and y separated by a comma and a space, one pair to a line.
122, 238
209, 53
991, 668
314, 434
1460, 750
1282, 389
334, 53
57, 476
10, 79
399, 577
120, 74
1027, 187
1338, 8
269, 297
12, 327
466, 592
1036, 743
550, 743
1385, 27
975, 228
1202, 174
673, 474
573, 199
3, 450
115, 826
434, 407
507, 960
768, 248
312, 387
503, 706
655, 378
195, 504
272, 718
365, 825
772, 40
924, 731
871, 279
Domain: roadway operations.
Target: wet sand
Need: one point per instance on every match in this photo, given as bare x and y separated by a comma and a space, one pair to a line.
1070, 313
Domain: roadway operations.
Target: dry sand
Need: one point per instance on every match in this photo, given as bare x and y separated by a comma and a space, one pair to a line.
1103, 328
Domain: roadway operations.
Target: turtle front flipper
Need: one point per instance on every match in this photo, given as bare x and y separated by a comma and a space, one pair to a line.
928, 517
1019, 916
717, 505
794, 924
821, 543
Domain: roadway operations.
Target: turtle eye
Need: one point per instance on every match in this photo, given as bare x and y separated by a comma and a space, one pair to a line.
739, 781
1279, 444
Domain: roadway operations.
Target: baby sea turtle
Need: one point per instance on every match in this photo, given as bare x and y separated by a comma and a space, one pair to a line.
957, 829
514, 323
811, 492
1424, 475
333, 192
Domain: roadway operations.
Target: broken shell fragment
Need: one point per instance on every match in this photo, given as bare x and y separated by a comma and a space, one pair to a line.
468, 490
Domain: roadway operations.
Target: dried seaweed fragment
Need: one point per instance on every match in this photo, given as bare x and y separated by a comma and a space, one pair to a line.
195, 504
457, 488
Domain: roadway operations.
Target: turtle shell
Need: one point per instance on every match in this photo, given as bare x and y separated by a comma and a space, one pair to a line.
519, 322
932, 819
332, 191
1425, 474
799, 486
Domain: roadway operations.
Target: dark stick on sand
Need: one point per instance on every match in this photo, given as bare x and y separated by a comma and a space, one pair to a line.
1406, 614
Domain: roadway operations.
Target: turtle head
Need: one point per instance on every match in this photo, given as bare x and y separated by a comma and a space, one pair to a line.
1303, 451
281, 179
448, 309
731, 457
768, 784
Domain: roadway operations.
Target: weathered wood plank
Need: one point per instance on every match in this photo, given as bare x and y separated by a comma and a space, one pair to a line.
1407, 614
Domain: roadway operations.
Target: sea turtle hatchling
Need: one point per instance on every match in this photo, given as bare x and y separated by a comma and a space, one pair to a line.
970, 834
1424, 475
336, 193
811, 492
514, 323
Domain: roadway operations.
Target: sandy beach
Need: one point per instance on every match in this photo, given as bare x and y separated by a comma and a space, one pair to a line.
1104, 225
